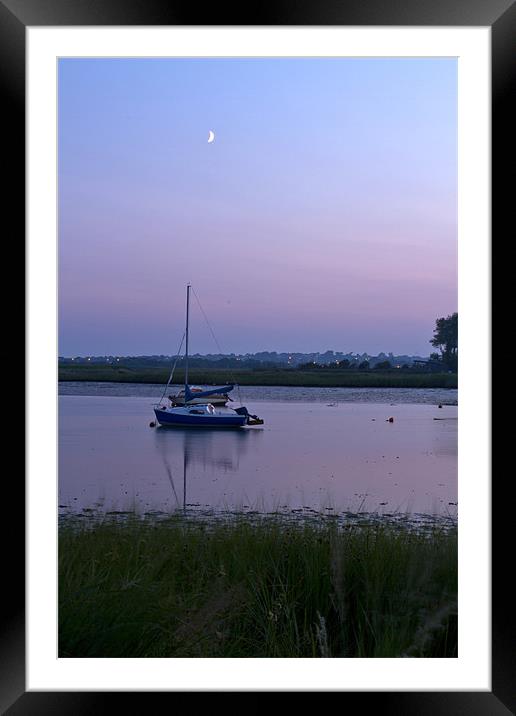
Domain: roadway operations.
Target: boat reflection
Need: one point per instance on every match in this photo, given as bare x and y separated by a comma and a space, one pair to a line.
214, 452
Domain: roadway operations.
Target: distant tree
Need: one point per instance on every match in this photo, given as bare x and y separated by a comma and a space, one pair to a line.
383, 365
364, 365
446, 340
338, 364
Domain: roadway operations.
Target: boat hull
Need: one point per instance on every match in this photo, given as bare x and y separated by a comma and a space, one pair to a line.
171, 419
214, 400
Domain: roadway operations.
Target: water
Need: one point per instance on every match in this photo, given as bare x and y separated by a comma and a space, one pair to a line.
430, 396
308, 458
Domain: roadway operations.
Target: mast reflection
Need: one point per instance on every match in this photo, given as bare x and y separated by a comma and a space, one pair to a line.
199, 447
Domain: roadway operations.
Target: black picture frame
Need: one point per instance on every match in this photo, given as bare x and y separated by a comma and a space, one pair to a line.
500, 16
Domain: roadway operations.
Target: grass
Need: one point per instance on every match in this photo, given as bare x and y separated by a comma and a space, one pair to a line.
330, 377
263, 589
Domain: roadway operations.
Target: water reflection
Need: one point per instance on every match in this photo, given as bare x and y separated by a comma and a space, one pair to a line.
307, 455
213, 450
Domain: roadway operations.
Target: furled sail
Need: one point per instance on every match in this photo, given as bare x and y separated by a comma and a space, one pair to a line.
191, 396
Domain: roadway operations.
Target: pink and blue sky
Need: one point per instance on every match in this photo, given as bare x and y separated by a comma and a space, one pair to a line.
323, 216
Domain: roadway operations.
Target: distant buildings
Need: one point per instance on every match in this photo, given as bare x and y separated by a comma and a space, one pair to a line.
292, 360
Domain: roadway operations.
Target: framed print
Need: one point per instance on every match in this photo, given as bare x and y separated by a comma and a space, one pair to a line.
138, 232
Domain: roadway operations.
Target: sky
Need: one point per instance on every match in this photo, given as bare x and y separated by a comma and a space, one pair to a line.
322, 216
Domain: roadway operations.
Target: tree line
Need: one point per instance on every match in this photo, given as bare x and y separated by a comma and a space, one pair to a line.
446, 334
445, 338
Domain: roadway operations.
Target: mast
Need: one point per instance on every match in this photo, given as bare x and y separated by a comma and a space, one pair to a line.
186, 352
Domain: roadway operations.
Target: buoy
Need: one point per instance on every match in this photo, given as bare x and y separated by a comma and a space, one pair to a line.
439, 406
152, 424
390, 420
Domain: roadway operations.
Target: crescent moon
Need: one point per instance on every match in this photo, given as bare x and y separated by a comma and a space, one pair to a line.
211, 137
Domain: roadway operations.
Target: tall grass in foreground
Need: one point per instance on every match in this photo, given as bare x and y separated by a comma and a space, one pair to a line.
241, 589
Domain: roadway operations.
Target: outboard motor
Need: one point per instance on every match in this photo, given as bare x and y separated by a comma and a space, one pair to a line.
251, 419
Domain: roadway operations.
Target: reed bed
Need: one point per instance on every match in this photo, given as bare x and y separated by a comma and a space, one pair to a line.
330, 378
241, 588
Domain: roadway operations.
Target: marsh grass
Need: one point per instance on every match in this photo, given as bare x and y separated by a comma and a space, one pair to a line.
330, 378
267, 589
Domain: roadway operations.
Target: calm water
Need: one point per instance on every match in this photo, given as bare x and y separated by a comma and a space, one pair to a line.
313, 457
430, 396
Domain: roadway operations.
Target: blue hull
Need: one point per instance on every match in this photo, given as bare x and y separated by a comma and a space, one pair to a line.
200, 421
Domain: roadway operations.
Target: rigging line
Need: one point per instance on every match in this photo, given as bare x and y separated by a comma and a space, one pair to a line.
173, 367
206, 319
215, 339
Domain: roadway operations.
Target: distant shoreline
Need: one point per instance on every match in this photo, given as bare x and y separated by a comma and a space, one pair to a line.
317, 378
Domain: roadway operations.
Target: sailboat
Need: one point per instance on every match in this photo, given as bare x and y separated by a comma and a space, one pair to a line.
204, 414
215, 399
